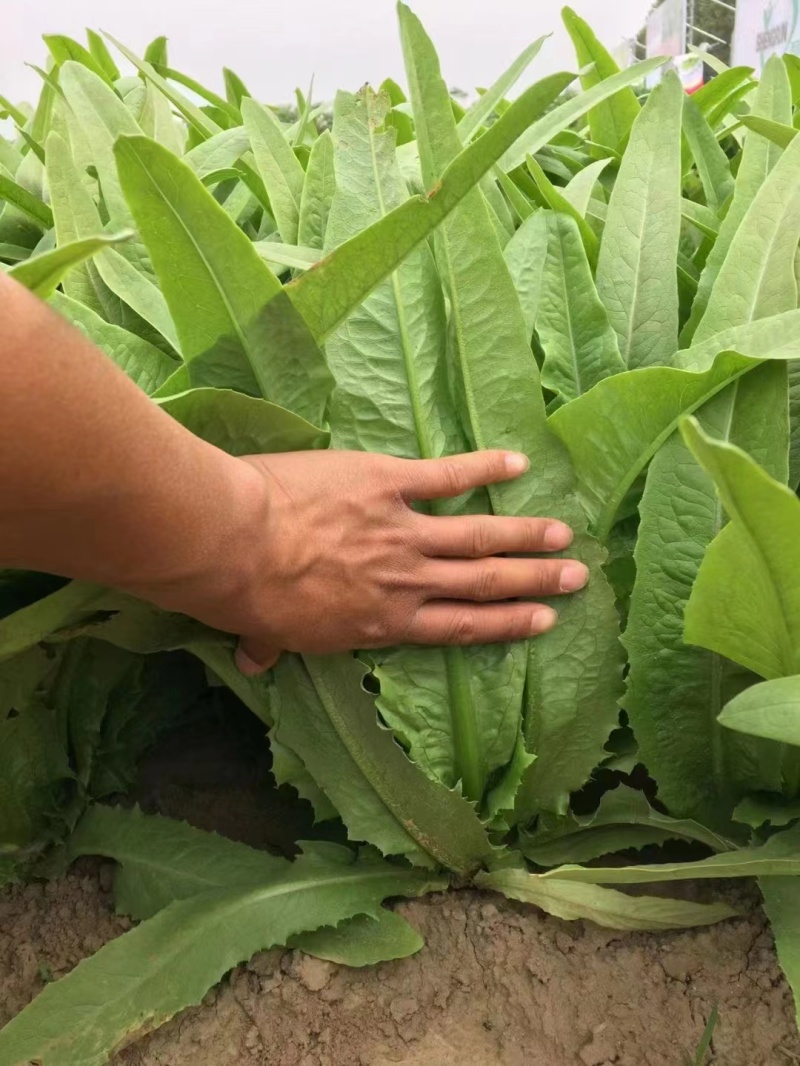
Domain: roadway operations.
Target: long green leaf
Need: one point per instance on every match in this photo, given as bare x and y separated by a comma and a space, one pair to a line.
636, 277
773, 101
319, 188
279, 167
557, 201
483, 107
778, 132
525, 257
782, 904
30, 205
103, 117
573, 671
711, 162
325, 295
144, 364
757, 277
73, 604
221, 294
563, 116
779, 856
605, 907
675, 692
43, 273
323, 715
579, 344
169, 962
609, 121
392, 394
746, 601
242, 425
623, 819
580, 188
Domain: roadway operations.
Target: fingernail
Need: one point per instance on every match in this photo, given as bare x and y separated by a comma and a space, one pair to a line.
517, 463
246, 665
544, 618
557, 535
573, 577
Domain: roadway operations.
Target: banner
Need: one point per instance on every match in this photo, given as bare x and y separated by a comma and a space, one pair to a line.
765, 28
666, 33
666, 29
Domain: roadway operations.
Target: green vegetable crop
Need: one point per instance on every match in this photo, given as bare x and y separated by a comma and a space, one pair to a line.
610, 287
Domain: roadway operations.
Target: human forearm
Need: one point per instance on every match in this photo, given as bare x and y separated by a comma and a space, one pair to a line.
96, 482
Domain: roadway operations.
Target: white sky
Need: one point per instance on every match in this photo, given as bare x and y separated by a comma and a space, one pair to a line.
275, 45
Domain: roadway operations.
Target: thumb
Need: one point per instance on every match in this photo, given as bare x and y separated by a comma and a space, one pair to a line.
255, 655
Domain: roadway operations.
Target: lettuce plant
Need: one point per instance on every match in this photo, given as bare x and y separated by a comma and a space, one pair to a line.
606, 285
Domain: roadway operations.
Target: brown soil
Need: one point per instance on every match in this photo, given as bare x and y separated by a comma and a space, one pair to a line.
498, 984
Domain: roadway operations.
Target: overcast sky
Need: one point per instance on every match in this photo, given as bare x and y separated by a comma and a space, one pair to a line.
275, 46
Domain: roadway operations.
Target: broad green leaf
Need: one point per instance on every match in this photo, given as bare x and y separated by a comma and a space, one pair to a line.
579, 344
326, 295
779, 133
218, 103
242, 425
235, 88
102, 56
144, 364
103, 117
364, 940
323, 715
525, 256
223, 298
772, 101
605, 907
609, 121
570, 710
483, 107
158, 122
565, 115
779, 856
770, 710
170, 961
319, 187
63, 49
31, 206
278, 166
156, 51
456, 709
711, 162
139, 292
718, 95
613, 431
624, 819
43, 273
556, 201
580, 188
14, 252
162, 860
746, 602
782, 904
700, 216
218, 153
636, 278
203, 126
675, 692
757, 277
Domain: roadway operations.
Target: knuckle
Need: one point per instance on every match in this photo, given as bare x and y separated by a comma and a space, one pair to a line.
479, 539
485, 583
461, 627
532, 534
453, 477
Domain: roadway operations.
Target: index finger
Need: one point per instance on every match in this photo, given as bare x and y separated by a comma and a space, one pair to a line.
432, 479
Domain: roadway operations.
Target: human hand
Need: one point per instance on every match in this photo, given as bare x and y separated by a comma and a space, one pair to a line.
344, 562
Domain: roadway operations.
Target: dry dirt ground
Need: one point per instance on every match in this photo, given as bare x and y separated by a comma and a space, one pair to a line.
498, 984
